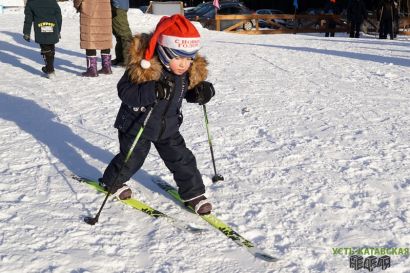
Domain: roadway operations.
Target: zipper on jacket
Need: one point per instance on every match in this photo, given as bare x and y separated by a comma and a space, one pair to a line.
163, 125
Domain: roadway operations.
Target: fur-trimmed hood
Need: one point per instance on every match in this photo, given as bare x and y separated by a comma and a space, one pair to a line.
197, 72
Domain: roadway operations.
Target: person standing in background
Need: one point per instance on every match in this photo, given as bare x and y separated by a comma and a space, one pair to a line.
96, 34
121, 30
388, 15
330, 8
356, 14
396, 15
45, 15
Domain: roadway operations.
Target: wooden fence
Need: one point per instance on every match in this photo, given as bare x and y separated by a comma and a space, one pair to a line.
293, 23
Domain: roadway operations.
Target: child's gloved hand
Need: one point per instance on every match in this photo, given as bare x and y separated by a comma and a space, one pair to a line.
163, 89
26, 37
201, 94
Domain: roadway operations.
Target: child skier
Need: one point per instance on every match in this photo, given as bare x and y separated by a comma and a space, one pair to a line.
163, 68
46, 17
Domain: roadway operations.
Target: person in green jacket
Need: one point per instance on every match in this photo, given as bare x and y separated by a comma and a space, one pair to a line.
45, 15
121, 30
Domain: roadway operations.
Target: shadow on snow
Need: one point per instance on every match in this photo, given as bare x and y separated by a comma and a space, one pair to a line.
61, 141
352, 55
12, 54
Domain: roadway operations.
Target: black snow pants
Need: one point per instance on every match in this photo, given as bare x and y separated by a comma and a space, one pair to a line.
173, 151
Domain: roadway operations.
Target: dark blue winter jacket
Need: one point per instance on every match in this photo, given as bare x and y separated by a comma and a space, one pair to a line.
136, 90
137, 101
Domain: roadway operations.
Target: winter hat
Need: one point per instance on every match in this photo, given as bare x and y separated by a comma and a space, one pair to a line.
176, 36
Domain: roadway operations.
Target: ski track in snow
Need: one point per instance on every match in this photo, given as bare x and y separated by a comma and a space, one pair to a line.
311, 134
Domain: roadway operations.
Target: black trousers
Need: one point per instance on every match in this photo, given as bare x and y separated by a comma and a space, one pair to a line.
47, 48
93, 52
173, 151
355, 29
48, 52
386, 27
332, 25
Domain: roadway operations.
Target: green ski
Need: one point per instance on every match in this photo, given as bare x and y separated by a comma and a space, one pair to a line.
220, 225
136, 204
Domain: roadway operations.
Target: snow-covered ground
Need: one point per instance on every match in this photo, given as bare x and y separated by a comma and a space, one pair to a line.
312, 135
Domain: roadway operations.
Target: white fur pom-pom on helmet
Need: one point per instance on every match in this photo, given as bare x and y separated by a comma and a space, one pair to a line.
175, 32
145, 64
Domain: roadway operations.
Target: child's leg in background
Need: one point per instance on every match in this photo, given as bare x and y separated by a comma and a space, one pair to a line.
48, 52
182, 163
112, 172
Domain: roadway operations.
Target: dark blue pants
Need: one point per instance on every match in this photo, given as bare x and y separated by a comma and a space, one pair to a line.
386, 27
173, 151
355, 26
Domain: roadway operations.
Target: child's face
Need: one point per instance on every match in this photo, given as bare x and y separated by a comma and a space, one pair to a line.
180, 65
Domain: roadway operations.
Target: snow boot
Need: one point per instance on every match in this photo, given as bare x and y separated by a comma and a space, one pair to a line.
200, 205
122, 193
106, 64
91, 67
48, 69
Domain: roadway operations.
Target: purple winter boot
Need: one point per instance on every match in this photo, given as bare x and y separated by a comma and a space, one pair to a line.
91, 67
106, 64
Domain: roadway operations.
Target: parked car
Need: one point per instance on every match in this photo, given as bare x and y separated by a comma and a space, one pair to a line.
206, 15
143, 8
265, 23
313, 11
196, 9
187, 9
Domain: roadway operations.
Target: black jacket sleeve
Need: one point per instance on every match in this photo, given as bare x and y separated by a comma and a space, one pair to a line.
136, 95
28, 19
59, 19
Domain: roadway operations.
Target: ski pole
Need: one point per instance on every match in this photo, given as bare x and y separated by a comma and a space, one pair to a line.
93, 220
216, 177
